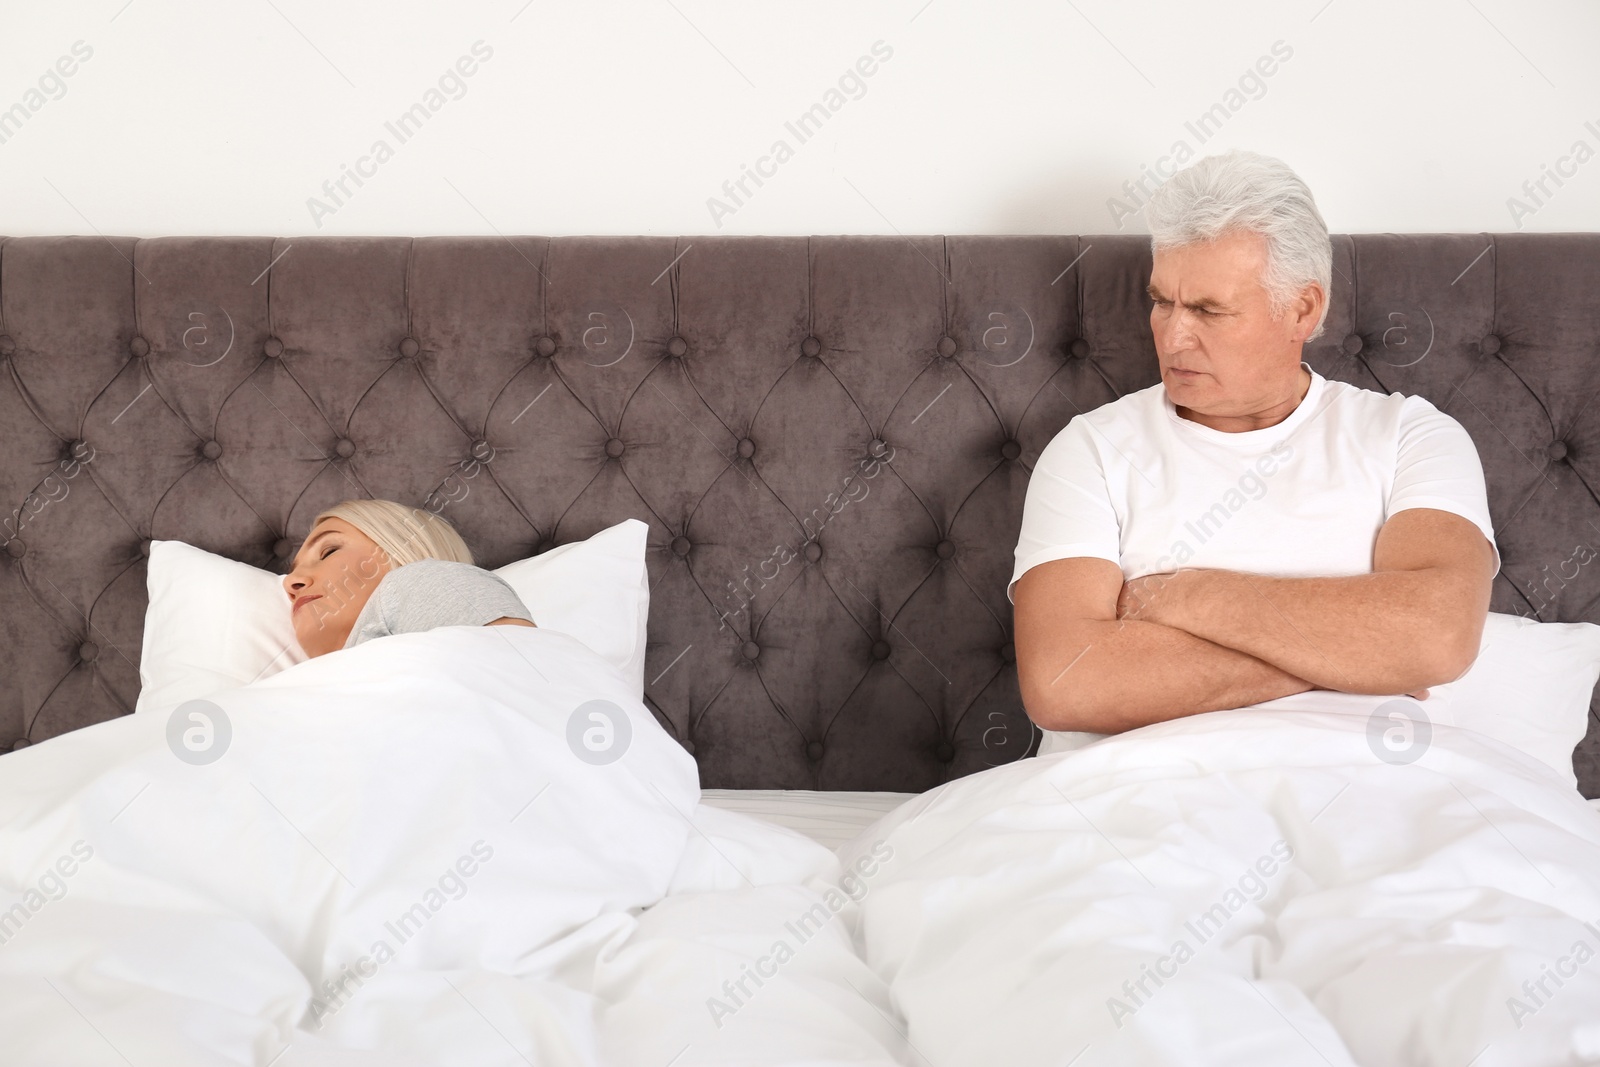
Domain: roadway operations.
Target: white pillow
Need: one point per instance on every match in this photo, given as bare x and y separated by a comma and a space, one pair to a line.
214, 623
1530, 687
596, 590
1064, 741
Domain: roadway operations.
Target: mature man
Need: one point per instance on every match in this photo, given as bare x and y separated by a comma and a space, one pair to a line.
1246, 529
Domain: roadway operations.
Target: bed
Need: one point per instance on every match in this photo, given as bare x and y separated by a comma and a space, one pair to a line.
829, 439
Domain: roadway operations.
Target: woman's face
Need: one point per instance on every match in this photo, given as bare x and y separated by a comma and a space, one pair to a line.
334, 573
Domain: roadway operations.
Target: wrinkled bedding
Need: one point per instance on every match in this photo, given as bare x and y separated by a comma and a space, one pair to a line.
1248, 887
407, 853
828, 817
424, 850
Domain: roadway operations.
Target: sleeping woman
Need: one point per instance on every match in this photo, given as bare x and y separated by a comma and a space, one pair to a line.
370, 568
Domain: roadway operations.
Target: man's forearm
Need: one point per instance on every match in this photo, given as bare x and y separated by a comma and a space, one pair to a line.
1119, 675
1387, 632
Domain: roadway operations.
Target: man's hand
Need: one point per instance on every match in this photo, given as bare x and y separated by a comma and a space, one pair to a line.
1159, 598
1140, 596
1083, 668
1415, 621
1099, 654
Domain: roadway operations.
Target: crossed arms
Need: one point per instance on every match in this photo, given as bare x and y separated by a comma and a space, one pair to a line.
1097, 654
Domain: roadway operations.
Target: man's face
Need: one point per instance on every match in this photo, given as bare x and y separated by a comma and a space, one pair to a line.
1222, 352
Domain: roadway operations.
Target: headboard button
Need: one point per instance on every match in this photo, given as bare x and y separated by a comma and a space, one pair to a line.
1011, 449
1008, 652
946, 752
947, 347
139, 346
19, 744
211, 450
88, 651
1557, 451
688, 745
809, 347
282, 547
15, 548
1353, 344
1080, 349
681, 547
7, 345
545, 346
747, 448
813, 552
880, 650
409, 347
677, 347
945, 549
1489, 345
272, 348
345, 447
144, 547
814, 751
615, 447
751, 650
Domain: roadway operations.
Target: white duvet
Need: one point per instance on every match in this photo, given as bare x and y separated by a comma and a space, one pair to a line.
400, 858
1241, 888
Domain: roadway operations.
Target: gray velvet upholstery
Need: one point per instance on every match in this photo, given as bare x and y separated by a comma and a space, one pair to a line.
723, 389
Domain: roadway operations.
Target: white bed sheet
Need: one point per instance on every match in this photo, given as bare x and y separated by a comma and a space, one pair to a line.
829, 818
1249, 887
400, 855
643, 950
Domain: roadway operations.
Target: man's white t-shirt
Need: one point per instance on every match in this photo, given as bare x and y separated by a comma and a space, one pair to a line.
1134, 483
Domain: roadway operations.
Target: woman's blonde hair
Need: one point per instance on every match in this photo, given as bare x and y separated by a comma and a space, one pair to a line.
405, 534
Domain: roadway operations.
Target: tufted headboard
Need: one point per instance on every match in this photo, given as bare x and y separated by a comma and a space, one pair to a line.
830, 438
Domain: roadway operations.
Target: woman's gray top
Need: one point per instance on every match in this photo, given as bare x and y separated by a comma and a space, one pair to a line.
435, 592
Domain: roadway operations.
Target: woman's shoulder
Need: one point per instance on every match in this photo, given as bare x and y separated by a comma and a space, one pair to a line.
436, 566
441, 581
436, 592
425, 572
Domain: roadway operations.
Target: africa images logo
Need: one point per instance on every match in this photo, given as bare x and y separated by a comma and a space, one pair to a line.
598, 732
1399, 732
199, 732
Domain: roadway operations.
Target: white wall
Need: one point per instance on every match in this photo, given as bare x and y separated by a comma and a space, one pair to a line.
626, 116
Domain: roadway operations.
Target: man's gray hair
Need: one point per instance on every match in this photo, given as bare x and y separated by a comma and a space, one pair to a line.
1244, 191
